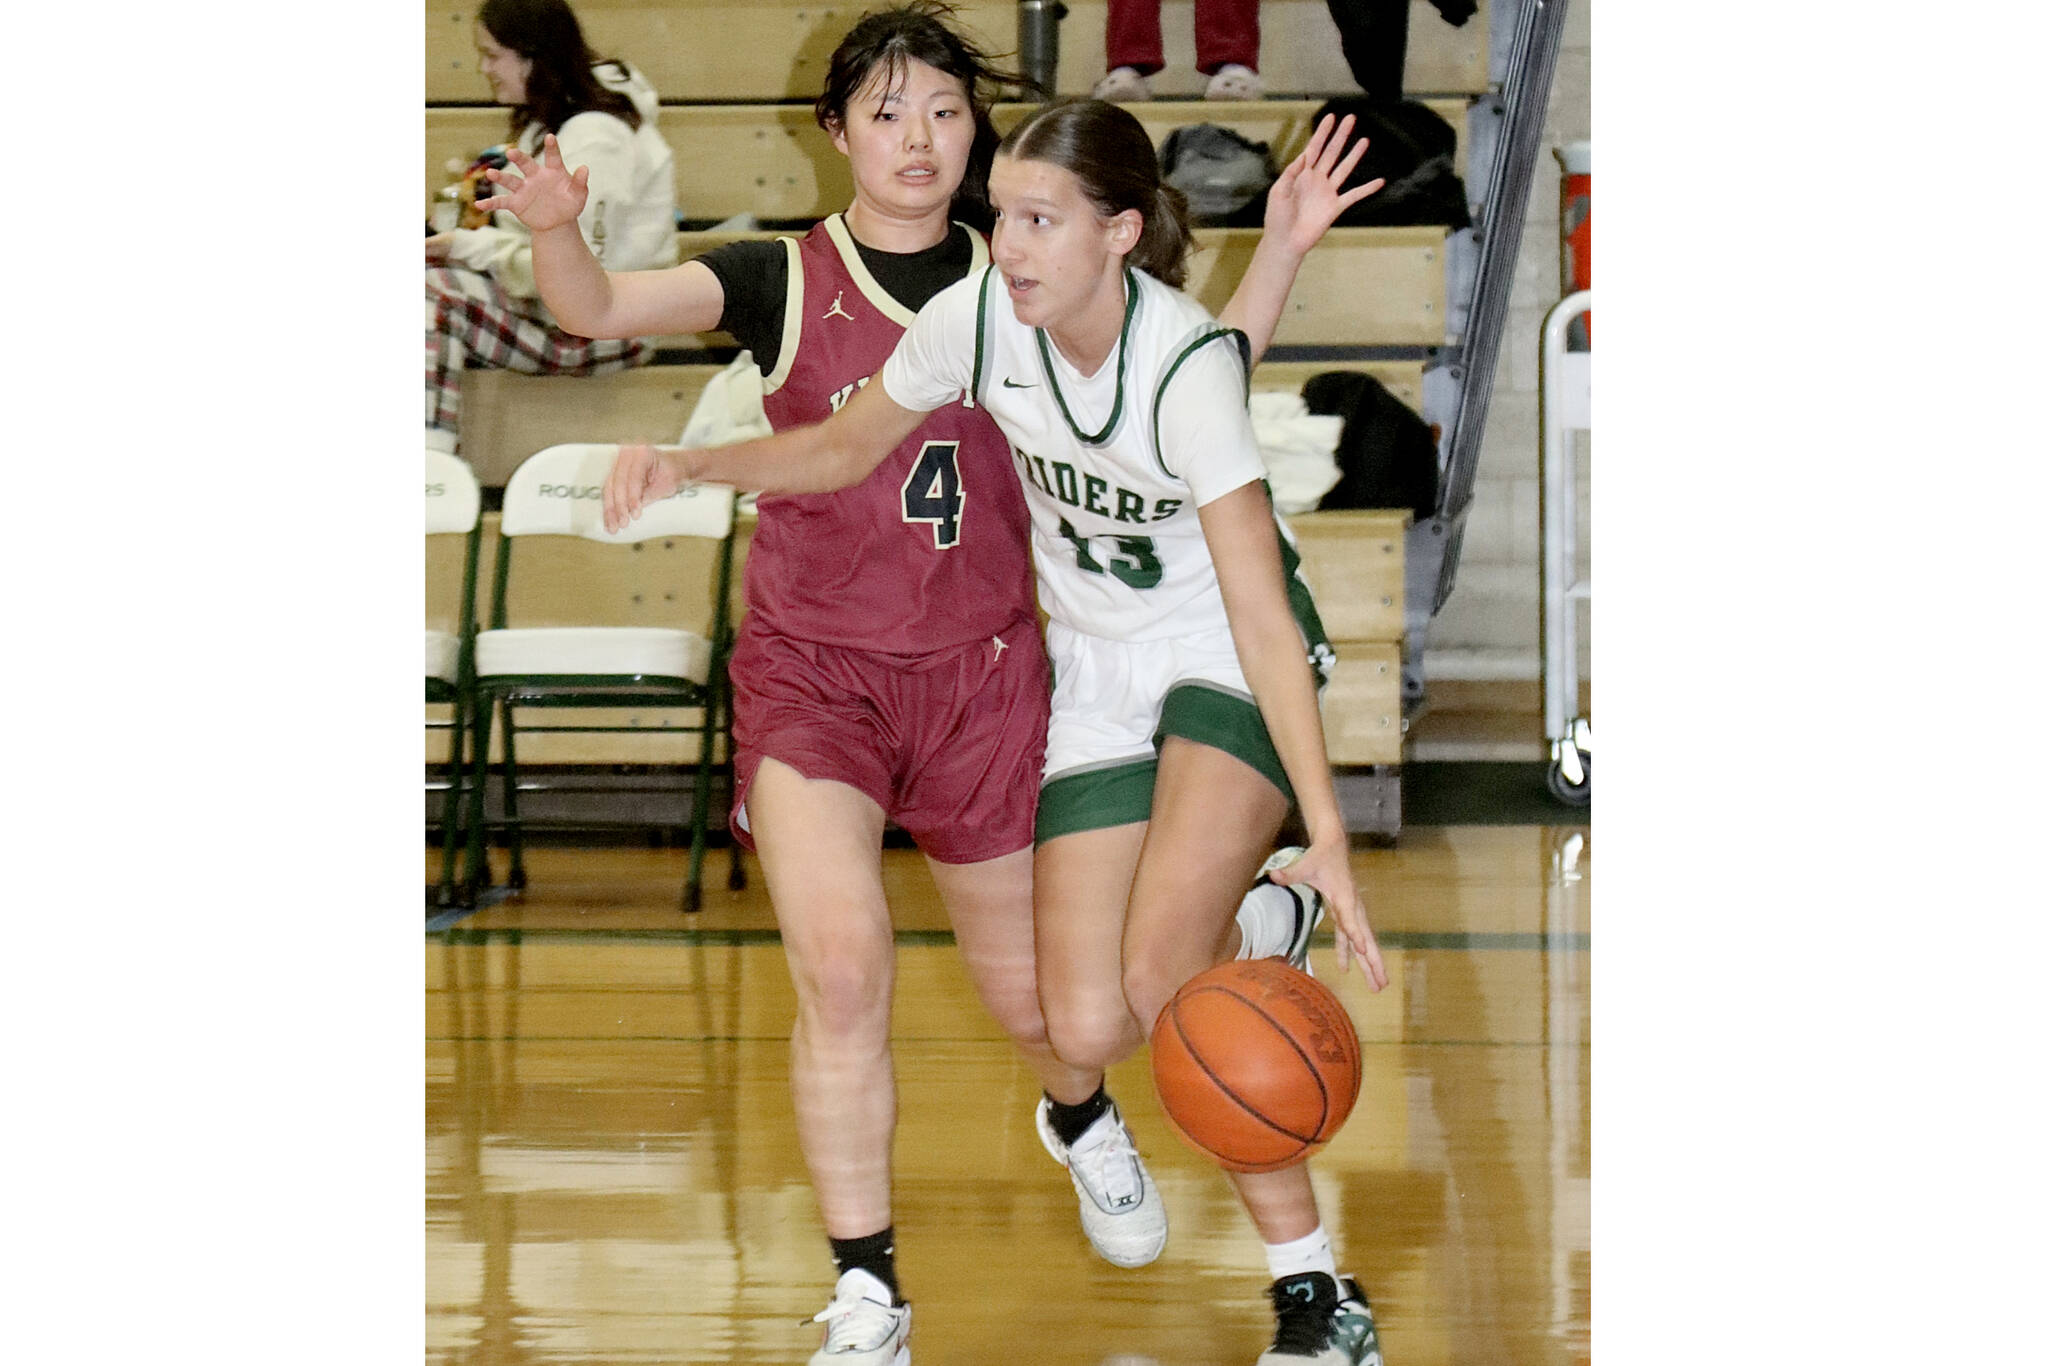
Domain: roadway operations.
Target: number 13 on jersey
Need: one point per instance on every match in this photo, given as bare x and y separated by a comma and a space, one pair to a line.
1136, 565
932, 492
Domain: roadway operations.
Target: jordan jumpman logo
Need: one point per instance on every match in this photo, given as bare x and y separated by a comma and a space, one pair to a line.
1001, 645
836, 309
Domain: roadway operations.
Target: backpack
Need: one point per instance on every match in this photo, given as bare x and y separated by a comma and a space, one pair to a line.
1386, 455
1219, 171
1413, 149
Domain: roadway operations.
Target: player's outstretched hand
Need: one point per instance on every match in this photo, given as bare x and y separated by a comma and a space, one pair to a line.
1309, 194
1326, 866
543, 194
640, 475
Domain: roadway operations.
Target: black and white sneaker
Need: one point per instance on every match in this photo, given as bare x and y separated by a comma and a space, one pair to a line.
1323, 1322
1279, 926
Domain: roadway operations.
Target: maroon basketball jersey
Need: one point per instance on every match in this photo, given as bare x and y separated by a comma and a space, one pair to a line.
932, 549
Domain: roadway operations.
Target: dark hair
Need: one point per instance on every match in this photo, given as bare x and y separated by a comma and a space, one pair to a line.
1111, 154
919, 32
561, 84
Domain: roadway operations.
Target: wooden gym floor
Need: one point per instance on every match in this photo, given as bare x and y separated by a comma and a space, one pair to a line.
612, 1174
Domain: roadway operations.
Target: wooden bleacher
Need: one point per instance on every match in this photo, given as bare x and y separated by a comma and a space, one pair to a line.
508, 417
1387, 283
773, 161
721, 51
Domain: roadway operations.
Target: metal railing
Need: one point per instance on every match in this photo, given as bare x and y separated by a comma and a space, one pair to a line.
1506, 133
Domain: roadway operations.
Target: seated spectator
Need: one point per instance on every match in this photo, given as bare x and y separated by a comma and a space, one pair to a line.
1226, 49
483, 309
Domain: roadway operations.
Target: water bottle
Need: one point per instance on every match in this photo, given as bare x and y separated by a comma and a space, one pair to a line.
1038, 42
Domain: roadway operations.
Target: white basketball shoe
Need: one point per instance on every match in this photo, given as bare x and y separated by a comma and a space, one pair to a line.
864, 1325
1121, 1211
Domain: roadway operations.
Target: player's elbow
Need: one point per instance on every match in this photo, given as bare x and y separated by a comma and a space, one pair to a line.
578, 324
574, 316
594, 318
580, 310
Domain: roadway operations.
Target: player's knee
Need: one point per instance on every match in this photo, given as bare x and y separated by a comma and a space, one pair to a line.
1009, 991
845, 995
1019, 1016
1091, 1039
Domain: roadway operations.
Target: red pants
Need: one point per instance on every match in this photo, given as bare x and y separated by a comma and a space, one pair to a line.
1226, 31
473, 324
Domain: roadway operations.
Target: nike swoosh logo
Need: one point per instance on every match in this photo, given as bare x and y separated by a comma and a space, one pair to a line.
1009, 383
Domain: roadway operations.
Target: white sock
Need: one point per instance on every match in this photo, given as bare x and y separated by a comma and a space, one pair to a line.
1265, 921
1311, 1252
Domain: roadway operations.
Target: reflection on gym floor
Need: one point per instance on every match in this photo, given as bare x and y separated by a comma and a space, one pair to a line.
612, 1172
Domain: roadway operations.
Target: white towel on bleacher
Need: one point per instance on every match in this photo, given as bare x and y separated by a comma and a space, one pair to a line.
1299, 447
729, 409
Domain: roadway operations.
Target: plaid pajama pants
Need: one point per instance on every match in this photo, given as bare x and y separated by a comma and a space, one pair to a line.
472, 323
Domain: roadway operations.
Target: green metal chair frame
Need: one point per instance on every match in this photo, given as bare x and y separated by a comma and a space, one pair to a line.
556, 492
454, 506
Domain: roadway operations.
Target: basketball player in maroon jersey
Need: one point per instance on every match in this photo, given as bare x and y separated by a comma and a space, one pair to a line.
890, 666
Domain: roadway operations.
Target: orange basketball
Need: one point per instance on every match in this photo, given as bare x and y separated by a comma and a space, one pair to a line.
1256, 1064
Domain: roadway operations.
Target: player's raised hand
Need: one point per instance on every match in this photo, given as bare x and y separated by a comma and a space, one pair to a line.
1326, 866
640, 475
543, 194
1309, 194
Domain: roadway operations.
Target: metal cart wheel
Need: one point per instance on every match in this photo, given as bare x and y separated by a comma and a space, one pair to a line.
1561, 785
1570, 775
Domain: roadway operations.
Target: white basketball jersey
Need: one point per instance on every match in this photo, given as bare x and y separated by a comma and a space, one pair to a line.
1114, 464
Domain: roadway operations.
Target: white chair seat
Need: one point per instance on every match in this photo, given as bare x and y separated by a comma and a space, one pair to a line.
444, 653
594, 650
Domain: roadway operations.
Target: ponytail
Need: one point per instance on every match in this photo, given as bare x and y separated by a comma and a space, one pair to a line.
1162, 250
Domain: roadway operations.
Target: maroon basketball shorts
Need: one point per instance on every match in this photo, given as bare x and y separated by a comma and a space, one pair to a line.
949, 744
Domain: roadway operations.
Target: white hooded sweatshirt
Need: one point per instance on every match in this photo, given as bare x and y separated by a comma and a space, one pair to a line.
629, 222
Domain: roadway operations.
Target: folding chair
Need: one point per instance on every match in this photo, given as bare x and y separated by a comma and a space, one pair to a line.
454, 505
558, 493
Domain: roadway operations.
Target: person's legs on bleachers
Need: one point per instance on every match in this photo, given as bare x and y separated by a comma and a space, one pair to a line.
1227, 48
472, 323
1134, 50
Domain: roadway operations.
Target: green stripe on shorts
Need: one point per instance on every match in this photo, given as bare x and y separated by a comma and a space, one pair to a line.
1121, 794
1225, 721
1096, 799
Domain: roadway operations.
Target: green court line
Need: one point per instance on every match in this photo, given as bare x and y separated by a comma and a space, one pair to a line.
1467, 940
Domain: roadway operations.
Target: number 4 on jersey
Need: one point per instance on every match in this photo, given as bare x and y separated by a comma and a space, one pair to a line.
932, 492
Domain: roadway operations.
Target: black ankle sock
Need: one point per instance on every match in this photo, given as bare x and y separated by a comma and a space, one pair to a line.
1071, 1121
874, 1254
